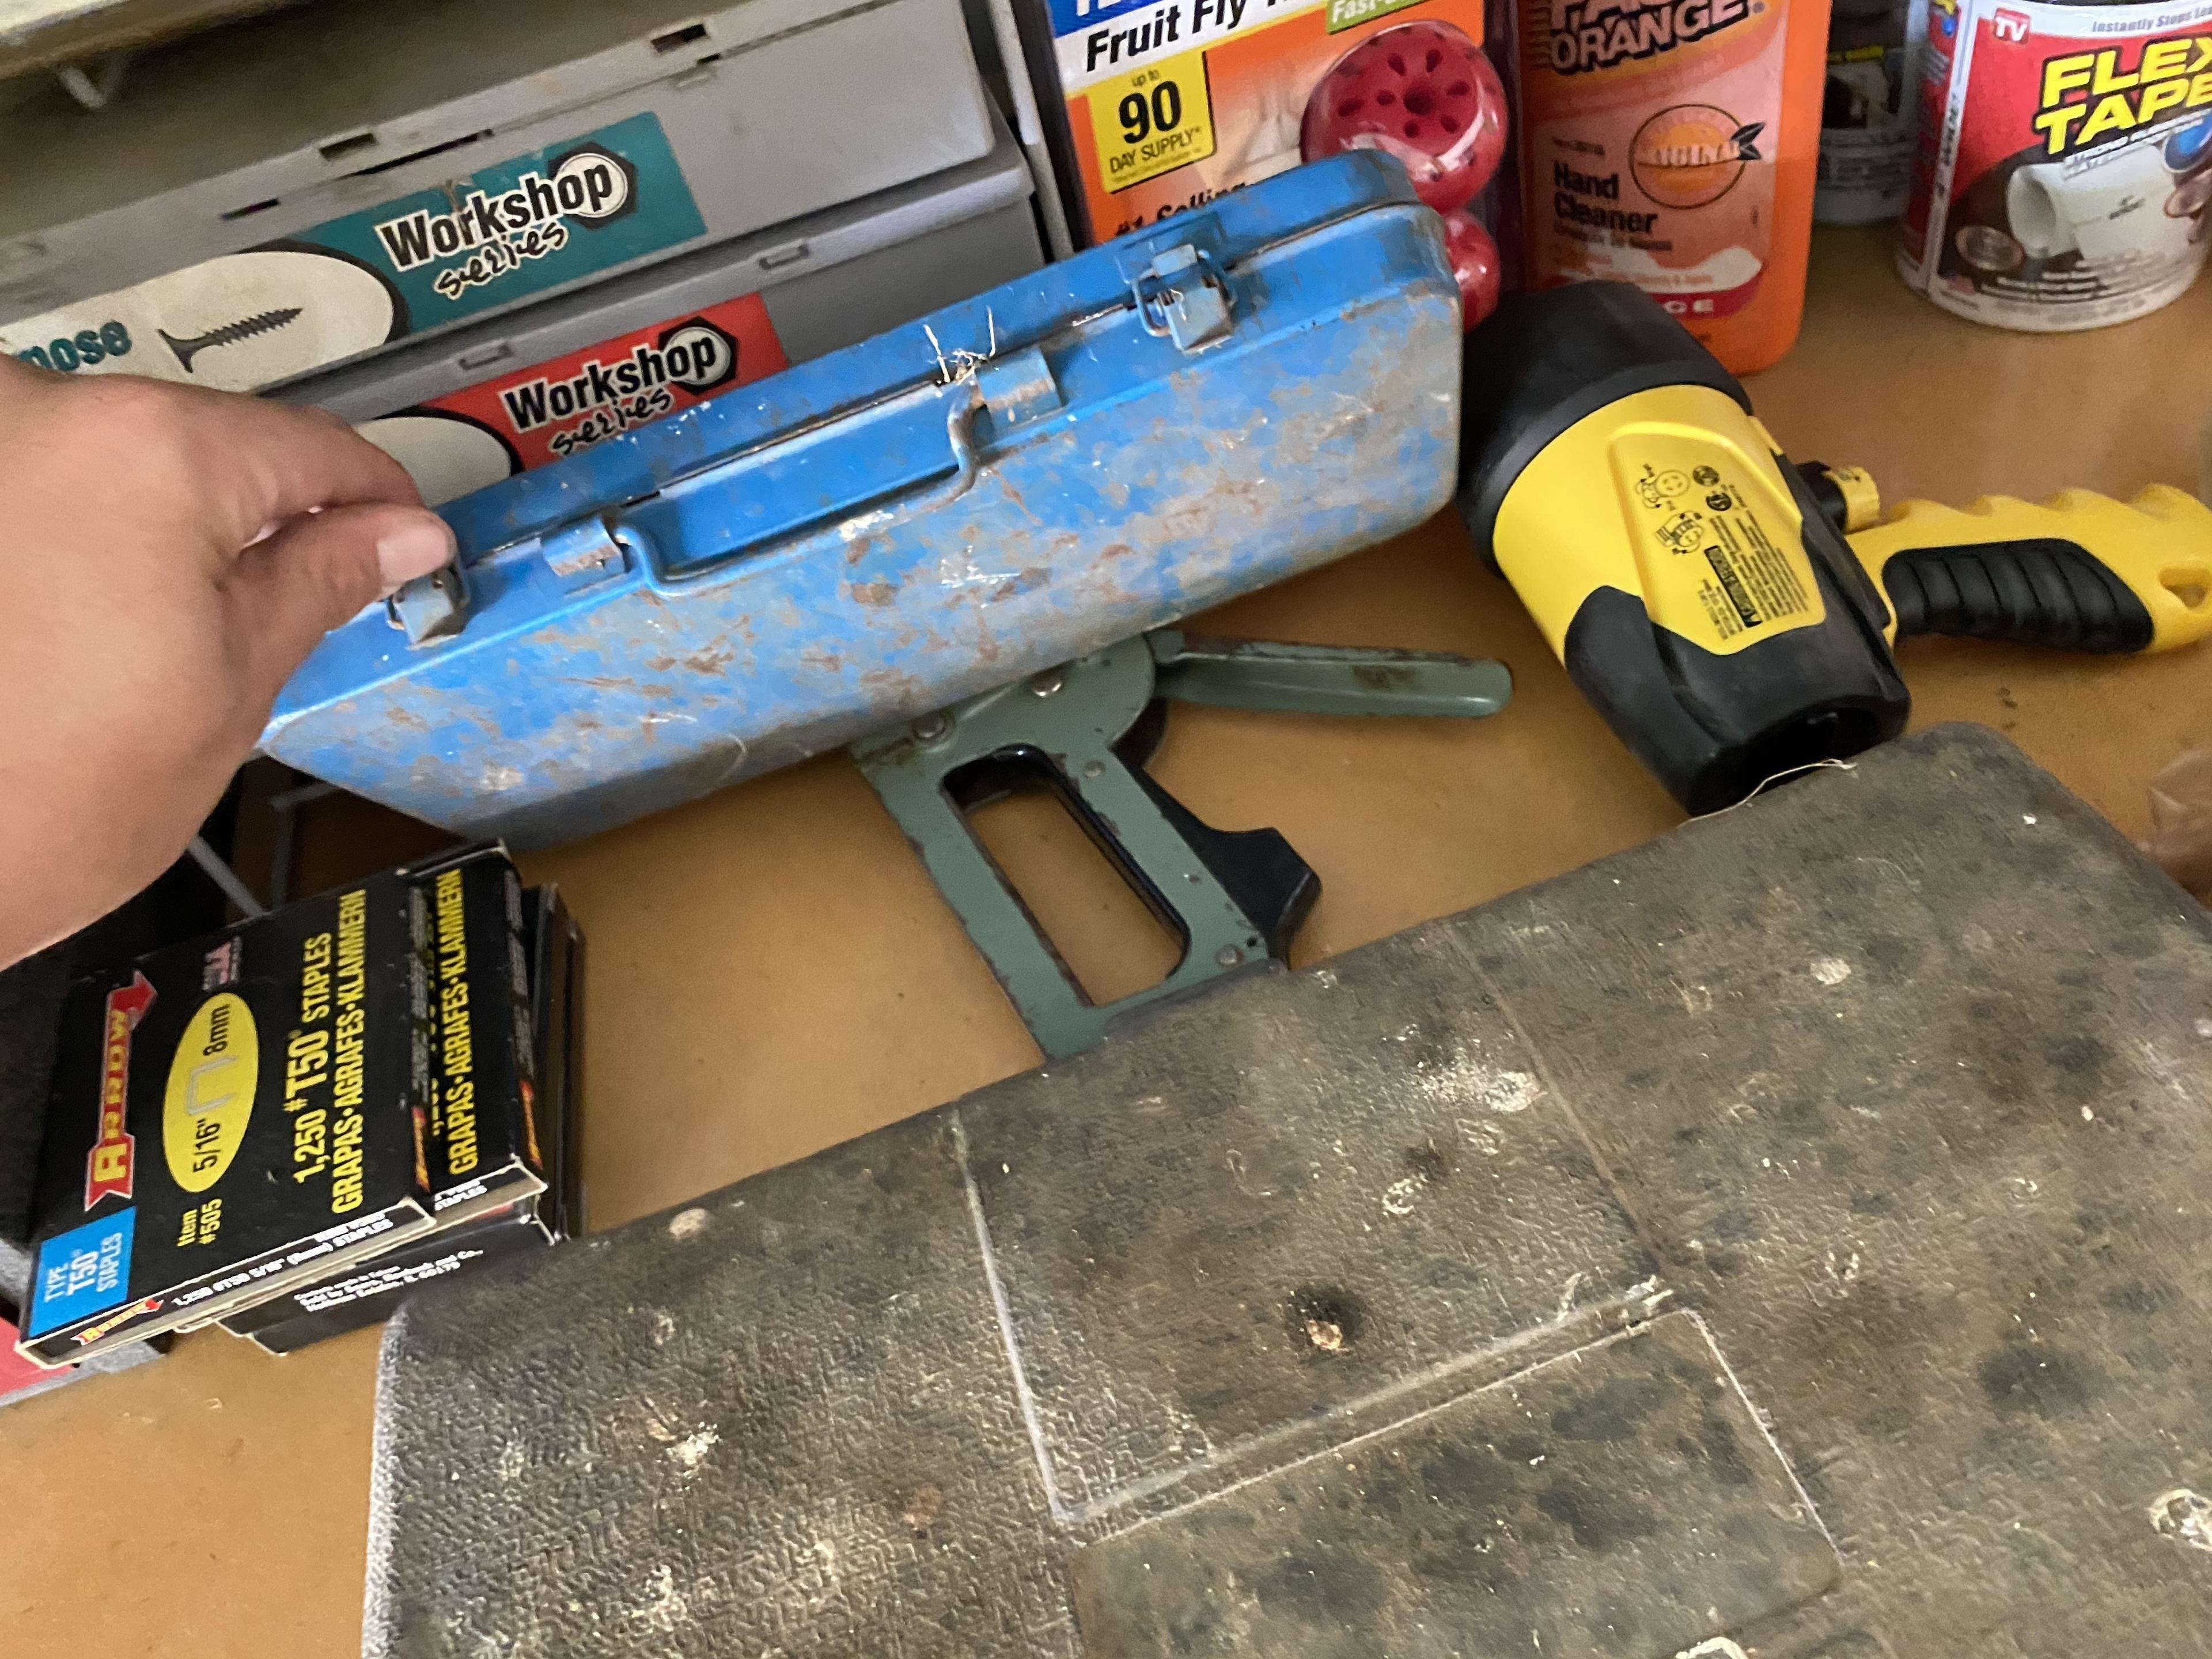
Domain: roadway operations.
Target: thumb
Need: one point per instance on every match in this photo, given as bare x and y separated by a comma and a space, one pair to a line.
289, 590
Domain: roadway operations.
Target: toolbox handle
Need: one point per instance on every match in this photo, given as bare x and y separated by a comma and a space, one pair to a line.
967, 466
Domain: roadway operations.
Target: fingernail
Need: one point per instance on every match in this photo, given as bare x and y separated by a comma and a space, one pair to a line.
414, 548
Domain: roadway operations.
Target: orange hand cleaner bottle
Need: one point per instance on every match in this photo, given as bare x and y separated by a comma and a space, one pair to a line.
1671, 144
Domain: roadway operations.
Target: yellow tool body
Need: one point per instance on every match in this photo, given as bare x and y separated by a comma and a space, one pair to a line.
1732, 615
1674, 495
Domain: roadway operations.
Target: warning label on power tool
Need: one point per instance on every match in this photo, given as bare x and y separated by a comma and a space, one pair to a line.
1718, 544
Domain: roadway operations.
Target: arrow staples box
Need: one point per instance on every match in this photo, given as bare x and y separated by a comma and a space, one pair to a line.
234, 1116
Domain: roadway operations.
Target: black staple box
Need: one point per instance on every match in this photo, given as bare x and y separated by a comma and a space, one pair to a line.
235, 1117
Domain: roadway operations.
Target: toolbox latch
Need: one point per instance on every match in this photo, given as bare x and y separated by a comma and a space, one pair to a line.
1183, 296
582, 556
431, 607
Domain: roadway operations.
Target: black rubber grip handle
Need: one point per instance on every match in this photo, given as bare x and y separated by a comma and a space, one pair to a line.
2042, 592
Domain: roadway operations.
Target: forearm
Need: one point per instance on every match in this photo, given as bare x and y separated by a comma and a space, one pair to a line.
177, 553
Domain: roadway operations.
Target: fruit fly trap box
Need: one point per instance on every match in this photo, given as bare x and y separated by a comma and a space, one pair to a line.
234, 1116
303, 189
1160, 106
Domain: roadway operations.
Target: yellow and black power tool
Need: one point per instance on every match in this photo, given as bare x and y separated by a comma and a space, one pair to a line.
1731, 614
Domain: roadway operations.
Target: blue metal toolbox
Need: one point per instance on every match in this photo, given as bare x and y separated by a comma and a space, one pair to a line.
1240, 393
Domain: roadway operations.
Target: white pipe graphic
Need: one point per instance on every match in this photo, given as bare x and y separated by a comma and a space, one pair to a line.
2108, 206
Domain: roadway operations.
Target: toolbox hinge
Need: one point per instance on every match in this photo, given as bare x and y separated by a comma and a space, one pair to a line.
582, 556
1019, 387
1183, 296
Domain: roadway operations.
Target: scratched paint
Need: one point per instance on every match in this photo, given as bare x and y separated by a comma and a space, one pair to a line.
798, 575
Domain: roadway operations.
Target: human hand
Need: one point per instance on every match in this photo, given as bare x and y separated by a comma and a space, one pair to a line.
172, 555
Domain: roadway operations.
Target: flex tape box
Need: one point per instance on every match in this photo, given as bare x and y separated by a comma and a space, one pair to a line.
1120, 440
497, 396
304, 189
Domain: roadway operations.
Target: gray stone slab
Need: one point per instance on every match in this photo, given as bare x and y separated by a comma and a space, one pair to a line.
1620, 1502
1881, 1107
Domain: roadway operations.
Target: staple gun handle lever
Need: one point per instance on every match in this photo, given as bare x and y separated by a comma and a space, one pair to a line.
1324, 679
1084, 730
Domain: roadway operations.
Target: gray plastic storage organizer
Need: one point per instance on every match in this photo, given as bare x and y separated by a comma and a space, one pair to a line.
825, 280
304, 189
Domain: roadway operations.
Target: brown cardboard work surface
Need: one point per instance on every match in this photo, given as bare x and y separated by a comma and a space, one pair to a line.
771, 972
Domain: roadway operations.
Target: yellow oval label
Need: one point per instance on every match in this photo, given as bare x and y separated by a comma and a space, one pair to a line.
210, 1096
